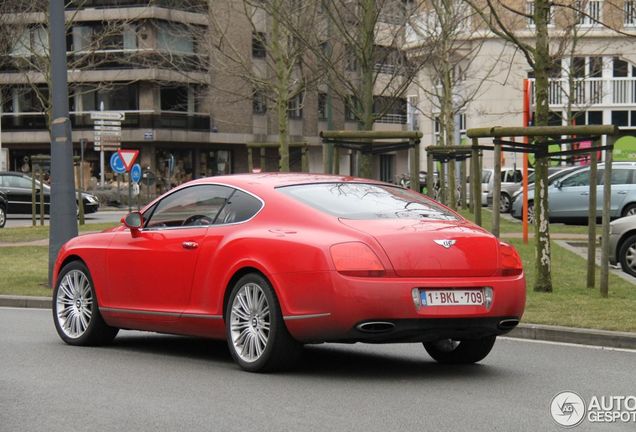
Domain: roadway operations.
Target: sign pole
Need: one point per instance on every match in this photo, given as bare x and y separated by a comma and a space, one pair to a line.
101, 155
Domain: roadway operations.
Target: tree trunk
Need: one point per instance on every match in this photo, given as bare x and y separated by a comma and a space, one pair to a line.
543, 281
281, 71
367, 41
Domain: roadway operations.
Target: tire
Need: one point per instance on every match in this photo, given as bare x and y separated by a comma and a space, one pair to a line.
449, 351
75, 308
3, 217
256, 334
530, 212
504, 203
629, 210
627, 255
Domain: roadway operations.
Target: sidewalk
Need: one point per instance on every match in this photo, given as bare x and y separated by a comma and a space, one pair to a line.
601, 338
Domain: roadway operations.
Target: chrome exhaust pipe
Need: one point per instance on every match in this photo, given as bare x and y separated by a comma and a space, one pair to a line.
508, 324
375, 326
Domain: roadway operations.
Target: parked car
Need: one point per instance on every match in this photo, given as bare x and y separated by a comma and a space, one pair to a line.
3, 209
511, 180
622, 243
554, 173
568, 196
273, 261
18, 188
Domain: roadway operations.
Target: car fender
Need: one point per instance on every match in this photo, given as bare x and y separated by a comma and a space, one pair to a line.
284, 260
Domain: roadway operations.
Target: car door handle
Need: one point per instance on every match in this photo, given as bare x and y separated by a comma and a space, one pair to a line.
585, 193
622, 193
190, 245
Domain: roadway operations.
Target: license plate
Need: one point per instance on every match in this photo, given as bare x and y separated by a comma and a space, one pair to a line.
452, 297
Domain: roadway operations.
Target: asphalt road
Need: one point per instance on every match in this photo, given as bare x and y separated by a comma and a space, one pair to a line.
100, 216
148, 382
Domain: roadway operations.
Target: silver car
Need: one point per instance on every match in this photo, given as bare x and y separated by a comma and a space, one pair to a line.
568, 197
622, 243
511, 181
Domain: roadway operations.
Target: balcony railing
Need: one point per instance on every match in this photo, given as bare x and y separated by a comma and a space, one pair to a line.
133, 120
590, 92
392, 119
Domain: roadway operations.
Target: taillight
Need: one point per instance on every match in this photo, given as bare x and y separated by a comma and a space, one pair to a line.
510, 261
356, 259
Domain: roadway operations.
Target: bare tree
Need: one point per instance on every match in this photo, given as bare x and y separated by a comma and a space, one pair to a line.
272, 71
505, 19
445, 28
360, 49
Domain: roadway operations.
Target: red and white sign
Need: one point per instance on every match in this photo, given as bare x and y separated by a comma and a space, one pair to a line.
128, 157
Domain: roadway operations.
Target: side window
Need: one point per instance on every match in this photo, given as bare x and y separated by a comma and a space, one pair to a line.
579, 179
240, 207
192, 206
621, 176
517, 176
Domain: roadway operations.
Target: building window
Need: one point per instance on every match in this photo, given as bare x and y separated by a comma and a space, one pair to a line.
258, 45
530, 12
462, 128
350, 109
174, 98
630, 12
322, 106
259, 102
295, 107
590, 12
351, 59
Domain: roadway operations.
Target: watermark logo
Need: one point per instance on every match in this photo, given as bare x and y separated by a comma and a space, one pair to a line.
567, 409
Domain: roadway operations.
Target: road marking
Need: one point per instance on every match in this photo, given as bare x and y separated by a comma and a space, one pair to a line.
568, 344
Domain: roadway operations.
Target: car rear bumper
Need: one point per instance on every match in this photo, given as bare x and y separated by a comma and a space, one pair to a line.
348, 303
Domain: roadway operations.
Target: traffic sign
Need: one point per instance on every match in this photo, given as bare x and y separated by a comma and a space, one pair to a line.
107, 133
107, 122
128, 157
107, 115
107, 128
135, 173
117, 164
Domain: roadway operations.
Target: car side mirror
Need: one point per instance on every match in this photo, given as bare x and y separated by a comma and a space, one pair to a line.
134, 221
558, 184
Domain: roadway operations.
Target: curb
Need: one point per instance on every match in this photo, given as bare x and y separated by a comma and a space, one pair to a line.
25, 301
601, 338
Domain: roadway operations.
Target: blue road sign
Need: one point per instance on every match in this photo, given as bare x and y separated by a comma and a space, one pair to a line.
117, 164
135, 173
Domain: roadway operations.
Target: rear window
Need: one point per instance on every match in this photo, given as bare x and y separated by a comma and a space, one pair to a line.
367, 201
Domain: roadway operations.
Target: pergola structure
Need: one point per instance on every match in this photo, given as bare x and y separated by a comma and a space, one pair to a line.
552, 135
376, 142
261, 147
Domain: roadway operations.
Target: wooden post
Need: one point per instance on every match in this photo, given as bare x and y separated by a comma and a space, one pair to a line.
41, 174
33, 196
250, 160
336, 160
591, 222
607, 197
462, 176
414, 155
430, 174
475, 180
304, 158
496, 193
263, 149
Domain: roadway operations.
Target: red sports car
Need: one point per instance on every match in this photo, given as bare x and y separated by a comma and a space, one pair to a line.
274, 261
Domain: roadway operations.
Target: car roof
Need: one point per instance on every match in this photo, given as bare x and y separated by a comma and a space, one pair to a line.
275, 180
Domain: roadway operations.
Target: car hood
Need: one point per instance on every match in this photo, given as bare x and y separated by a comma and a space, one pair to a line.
425, 248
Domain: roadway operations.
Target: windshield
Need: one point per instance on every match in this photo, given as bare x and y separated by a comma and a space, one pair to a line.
367, 201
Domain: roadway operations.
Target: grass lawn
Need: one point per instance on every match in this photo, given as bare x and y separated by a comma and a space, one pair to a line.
571, 303
508, 226
32, 233
24, 272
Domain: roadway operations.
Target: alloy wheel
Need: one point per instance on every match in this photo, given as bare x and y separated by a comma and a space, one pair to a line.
630, 257
74, 304
250, 322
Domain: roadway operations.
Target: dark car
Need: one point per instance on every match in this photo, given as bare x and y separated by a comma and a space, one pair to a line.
3, 209
18, 189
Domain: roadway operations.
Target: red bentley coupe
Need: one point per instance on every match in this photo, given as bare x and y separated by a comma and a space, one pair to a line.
274, 261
